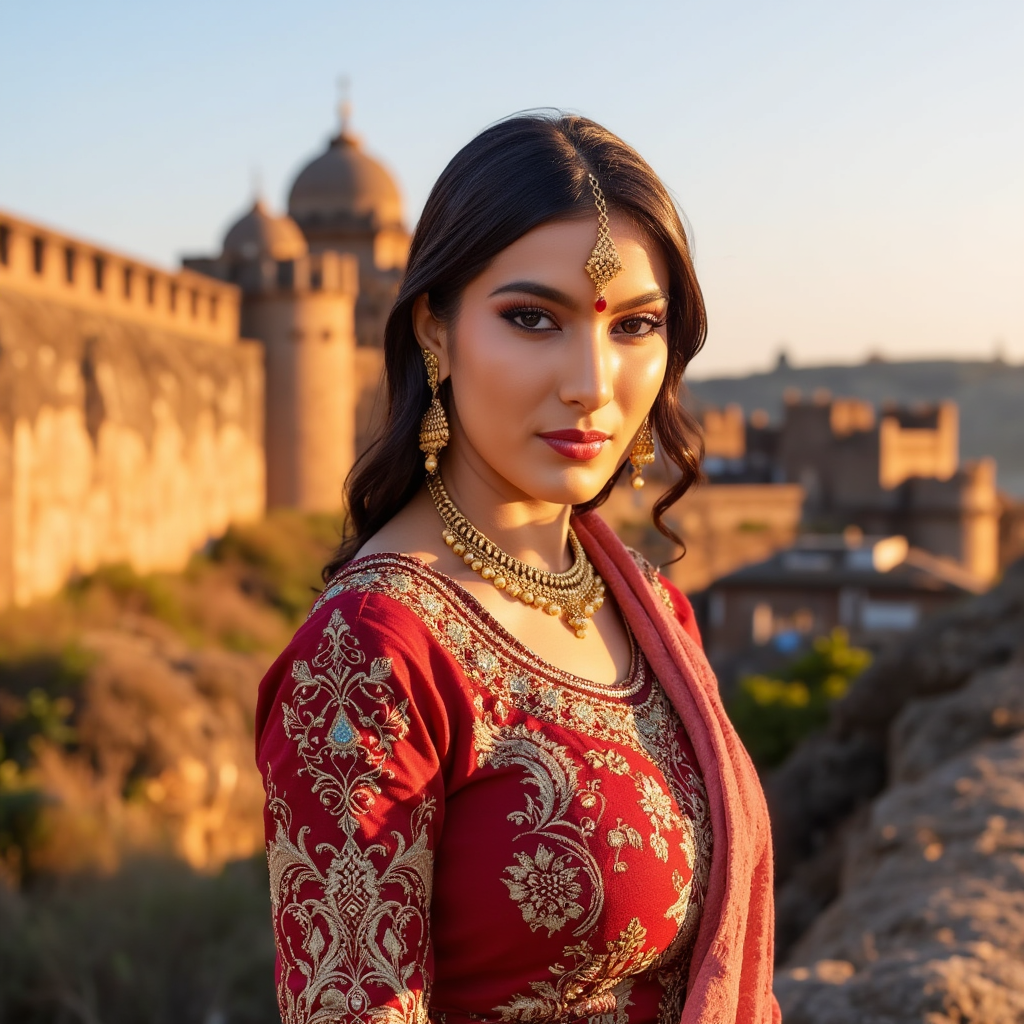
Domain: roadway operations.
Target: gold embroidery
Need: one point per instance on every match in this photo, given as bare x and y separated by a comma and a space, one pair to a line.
610, 759
552, 882
661, 813
341, 950
344, 766
545, 886
596, 986
337, 927
546, 889
653, 578
505, 669
617, 839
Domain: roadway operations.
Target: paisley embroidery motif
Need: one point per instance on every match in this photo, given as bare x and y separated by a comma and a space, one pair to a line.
360, 923
555, 879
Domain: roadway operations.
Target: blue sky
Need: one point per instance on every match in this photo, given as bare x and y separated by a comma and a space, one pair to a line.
853, 173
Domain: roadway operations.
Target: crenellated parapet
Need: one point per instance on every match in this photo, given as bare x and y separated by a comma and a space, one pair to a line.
41, 262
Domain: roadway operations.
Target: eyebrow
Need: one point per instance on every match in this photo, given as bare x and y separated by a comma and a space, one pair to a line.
543, 291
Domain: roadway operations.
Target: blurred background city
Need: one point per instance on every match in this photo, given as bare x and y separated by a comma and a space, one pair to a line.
205, 214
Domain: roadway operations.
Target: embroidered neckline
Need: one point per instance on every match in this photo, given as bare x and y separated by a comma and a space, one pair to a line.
627, 687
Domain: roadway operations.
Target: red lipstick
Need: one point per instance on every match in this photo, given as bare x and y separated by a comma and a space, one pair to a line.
579, 445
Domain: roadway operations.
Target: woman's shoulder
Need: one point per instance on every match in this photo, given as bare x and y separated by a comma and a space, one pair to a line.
669, 594
365, 627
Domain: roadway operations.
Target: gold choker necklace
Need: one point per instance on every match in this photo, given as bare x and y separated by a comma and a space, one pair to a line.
576, 594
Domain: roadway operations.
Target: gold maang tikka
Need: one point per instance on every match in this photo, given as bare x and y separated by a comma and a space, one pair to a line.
604, 262
434, 425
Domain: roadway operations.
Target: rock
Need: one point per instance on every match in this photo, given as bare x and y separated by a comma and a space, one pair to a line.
829, 777
929, 923
930, 731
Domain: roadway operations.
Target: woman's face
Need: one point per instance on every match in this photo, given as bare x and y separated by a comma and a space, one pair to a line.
548, 393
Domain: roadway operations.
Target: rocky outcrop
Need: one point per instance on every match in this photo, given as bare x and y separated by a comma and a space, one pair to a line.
161, 763
924, 879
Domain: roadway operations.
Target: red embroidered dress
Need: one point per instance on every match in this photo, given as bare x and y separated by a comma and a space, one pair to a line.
458, 830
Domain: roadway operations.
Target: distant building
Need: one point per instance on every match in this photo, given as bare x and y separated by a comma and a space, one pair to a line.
893, 473
137, 420
872, 586
317, 286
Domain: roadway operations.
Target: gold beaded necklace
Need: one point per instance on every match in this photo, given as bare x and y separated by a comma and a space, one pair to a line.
576, 594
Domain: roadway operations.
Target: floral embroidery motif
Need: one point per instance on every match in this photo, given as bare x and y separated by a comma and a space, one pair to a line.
546, 889
555, 880
361, 922
596, 986
658, 807
618, 837
550, 901
610, 759
489, 656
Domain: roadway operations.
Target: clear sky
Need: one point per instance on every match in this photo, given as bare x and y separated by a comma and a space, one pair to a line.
852, 172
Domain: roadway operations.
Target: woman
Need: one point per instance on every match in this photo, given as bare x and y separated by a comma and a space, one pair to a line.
500, 782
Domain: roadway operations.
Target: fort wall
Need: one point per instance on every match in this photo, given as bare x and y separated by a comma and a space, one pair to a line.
129, 431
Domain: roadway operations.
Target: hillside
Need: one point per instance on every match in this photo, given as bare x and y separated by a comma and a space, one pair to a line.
990, 396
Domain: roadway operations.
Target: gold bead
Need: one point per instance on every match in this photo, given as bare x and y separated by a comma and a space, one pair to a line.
499, 582
527, 598
448, 537
638, 482
487, 572
554, 609
476, 565
513, 590
540, 602
581, 632
430, 464
468, 557
589, 610
458, 547
598, 601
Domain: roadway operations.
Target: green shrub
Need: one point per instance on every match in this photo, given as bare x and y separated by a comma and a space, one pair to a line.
155, 943
773, 713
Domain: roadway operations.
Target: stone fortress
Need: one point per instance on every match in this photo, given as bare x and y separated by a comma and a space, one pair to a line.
142, 411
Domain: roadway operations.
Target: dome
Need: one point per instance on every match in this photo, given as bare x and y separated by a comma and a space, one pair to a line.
346, 184
260, 233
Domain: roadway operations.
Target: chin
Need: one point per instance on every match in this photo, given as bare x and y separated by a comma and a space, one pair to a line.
573, 486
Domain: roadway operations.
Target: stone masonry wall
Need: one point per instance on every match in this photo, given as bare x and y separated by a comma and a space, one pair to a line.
119, 442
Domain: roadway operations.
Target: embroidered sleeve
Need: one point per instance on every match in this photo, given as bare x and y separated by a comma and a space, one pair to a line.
349, 738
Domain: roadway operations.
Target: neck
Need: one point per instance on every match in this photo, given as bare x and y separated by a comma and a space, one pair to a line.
535, 532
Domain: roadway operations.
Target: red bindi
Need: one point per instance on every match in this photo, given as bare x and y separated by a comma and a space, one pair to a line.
601, 305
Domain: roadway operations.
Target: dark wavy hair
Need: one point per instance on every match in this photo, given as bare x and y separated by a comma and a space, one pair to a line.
516, 175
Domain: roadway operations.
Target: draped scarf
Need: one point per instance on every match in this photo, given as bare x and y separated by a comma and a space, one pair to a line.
730, 980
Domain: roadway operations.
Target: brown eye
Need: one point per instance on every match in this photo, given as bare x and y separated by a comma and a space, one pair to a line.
636, 327
529, 319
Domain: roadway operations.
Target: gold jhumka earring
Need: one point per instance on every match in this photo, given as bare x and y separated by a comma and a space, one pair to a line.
434, 425
604, 262
642, 454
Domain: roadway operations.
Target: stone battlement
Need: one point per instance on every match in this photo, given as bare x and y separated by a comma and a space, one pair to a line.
47, 264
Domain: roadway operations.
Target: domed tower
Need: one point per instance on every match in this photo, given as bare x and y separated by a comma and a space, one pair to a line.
301, 306
345, 201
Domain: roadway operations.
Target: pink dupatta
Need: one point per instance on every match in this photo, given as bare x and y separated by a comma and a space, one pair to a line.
730, 978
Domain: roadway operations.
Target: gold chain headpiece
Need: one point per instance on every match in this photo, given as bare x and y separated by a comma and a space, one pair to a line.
604, 262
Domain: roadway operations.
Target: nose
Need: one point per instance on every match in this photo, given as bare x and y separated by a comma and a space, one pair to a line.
588, 373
